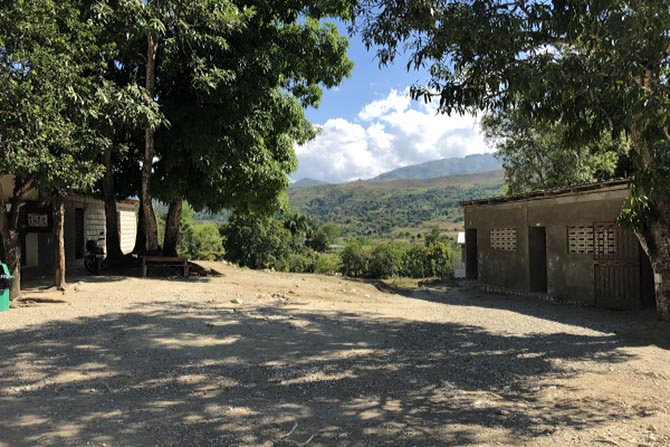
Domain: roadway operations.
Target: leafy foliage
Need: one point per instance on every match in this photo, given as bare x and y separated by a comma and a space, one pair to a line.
49, 83
198, 240
234, 81
257, 242
322, 236
433, 259
278, 242
539, 156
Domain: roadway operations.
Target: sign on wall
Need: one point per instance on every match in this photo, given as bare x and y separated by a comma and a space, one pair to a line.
36, 217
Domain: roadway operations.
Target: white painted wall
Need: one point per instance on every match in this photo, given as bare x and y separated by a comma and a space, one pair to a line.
127, 226
94, 221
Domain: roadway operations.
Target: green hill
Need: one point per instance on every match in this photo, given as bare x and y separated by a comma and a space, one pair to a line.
385, 208
471, 164
307, 182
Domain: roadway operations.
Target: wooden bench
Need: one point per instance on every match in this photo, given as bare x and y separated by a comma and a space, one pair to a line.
164, 261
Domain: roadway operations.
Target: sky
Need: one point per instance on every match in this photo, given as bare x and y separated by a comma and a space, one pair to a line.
369, 125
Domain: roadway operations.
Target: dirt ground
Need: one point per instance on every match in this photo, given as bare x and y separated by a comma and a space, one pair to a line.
272, 359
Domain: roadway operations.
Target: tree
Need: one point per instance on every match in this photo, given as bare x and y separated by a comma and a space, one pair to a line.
538, 155
235, 100
257, 241
355, 259
322, 236
594, 66
48, 82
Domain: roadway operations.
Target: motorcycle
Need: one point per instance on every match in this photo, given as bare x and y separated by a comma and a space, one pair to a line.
95, 254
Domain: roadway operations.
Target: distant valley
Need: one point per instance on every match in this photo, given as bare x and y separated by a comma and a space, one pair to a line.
398, 204
395, 208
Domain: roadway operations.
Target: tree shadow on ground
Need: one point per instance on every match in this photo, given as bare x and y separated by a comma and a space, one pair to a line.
638, 327
201, 374
35, 281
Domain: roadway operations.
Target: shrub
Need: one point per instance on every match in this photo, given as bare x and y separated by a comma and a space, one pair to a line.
257, 242
302, 262
416, 262
385, 261
355, 259
207, 243
327, 264
396, 259
441, 260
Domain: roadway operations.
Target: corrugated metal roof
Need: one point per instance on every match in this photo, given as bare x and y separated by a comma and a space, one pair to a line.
578, 189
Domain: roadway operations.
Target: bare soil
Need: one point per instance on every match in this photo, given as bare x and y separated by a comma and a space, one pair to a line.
270, 359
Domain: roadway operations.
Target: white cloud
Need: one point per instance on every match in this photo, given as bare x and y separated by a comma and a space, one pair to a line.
390, 133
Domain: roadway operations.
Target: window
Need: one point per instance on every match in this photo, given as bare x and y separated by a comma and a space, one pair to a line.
580, 240
503, 239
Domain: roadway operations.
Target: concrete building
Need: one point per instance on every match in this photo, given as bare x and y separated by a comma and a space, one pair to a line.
84, 221
561, 243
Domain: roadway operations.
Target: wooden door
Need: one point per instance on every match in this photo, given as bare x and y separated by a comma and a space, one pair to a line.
616, 259
471, 255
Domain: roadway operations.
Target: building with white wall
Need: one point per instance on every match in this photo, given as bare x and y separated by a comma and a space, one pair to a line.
84, 221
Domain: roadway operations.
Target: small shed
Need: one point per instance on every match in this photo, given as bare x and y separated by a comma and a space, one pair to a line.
563, 243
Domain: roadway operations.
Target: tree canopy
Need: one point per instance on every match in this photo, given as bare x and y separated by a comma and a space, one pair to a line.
539, 155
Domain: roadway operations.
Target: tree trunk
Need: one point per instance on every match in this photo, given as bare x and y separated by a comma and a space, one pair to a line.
9, 231
140, 240
13, 259
656, 243
113, 239
172, 228
655, 235
150, 225
59, 239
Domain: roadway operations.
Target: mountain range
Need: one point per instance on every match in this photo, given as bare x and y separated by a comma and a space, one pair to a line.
471, 164
307, 182
393, 207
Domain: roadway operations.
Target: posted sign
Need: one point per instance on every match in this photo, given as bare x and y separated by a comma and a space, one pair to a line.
36, 217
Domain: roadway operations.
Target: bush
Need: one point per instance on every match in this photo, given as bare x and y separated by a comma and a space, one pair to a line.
385, 261
355, 259
206, 243
257, 242
441, 260
395, 259
416, 263
302, 262
327, 264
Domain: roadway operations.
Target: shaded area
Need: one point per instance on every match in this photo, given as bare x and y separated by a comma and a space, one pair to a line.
201, 374
636, 327
75, 273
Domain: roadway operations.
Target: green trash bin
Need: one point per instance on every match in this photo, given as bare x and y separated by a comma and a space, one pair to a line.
5, 287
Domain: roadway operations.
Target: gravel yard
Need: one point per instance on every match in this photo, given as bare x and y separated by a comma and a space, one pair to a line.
270, 359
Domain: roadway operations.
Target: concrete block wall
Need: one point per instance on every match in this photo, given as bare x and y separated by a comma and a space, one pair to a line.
569, 276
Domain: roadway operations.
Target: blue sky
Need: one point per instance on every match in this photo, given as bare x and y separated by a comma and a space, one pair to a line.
370, 126
367, 82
